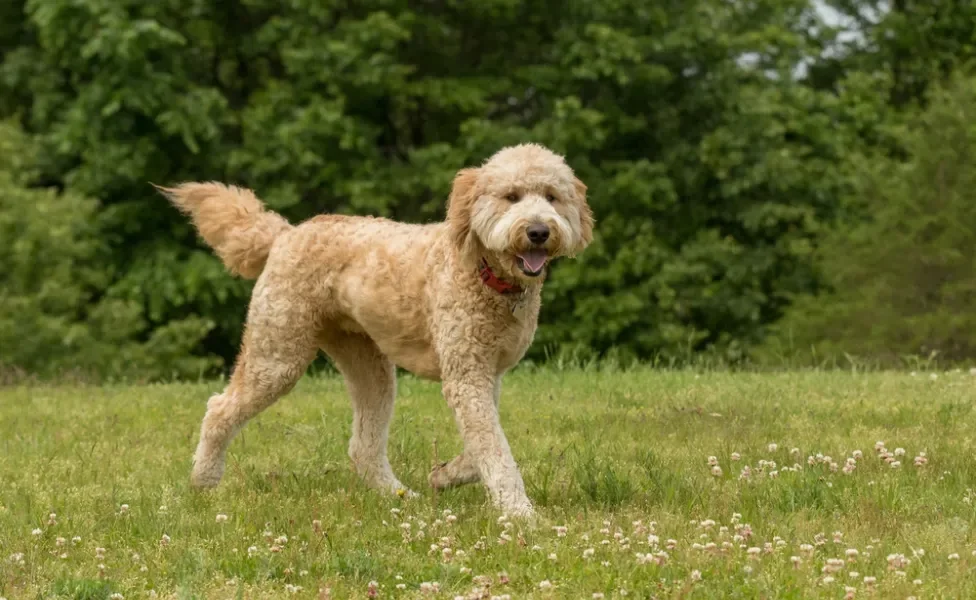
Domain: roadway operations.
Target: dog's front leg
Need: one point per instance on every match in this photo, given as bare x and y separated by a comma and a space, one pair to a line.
470, 392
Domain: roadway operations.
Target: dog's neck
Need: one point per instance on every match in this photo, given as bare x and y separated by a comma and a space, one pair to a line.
493, 281
474, 256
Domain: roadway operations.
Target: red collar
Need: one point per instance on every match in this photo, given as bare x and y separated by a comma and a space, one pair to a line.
501, 286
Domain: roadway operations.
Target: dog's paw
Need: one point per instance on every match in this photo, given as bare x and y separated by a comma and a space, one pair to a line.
206, 474
389, 484
204, 481
439, 478
523, 514
451, 474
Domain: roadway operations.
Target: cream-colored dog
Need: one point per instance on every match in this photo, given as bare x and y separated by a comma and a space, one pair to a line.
456, 301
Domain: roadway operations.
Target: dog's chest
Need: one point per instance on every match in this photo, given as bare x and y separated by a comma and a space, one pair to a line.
517, 333
510, 356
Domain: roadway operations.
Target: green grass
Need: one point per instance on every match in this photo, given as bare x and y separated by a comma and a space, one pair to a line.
611, 456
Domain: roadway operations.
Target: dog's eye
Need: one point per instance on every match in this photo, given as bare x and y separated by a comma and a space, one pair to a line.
512, 197
550, 197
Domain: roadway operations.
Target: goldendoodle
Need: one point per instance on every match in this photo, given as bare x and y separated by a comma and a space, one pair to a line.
456, 301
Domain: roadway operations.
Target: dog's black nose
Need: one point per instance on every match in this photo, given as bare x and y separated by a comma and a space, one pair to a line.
538, 233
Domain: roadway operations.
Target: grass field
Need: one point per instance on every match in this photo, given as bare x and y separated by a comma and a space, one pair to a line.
94, 499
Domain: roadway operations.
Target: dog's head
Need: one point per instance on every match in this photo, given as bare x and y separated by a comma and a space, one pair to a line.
523, 207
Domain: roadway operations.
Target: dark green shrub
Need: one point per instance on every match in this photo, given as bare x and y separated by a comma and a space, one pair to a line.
56, 317
904, 279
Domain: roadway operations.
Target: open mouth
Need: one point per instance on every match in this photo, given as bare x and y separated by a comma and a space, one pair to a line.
533, 261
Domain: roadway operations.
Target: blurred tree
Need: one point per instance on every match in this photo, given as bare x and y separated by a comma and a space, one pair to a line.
914, 42
54, 317
904, 280
712, 168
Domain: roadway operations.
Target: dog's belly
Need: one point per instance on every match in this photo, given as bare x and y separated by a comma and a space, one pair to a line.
414, 355
401, 340
419, 360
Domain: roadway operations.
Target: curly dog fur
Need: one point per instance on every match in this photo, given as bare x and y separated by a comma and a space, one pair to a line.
374, 294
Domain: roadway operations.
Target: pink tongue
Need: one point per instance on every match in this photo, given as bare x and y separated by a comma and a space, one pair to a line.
534, 259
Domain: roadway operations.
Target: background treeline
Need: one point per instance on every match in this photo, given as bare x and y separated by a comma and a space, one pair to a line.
769, 184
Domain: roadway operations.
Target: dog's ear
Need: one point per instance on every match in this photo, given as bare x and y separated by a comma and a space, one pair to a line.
463, 195
586, 214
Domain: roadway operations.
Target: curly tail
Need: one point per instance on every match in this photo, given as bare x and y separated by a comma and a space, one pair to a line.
232, 221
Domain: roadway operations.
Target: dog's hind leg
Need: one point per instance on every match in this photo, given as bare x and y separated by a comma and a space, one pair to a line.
462, 469
279, 343
371, 380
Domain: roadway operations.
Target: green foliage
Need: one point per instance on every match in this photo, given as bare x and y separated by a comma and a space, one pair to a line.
714, 166
55, 314
904, 280
917, 43
710, 175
